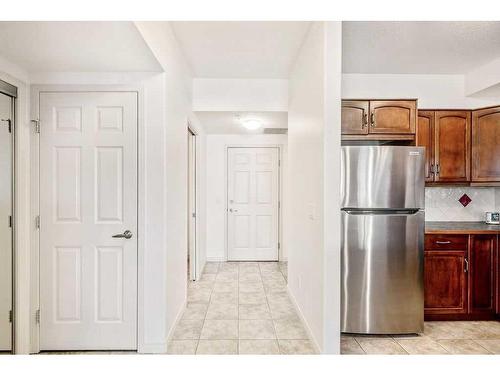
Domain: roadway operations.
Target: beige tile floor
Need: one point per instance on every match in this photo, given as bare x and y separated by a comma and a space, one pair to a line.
240, 308
438, 338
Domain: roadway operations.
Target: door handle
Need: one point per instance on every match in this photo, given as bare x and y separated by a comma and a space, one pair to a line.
372, 119
127, 235
233, 210
466, 265
365, 121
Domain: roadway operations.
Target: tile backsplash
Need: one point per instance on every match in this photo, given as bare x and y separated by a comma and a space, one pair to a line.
441, 203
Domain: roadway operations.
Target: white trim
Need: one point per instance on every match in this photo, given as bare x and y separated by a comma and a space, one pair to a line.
280, 195
36, 90
194, 133
303, 320
216, 259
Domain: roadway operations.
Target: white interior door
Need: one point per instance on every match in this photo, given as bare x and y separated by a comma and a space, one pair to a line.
192, 205
88, 193
253, 195
5, 228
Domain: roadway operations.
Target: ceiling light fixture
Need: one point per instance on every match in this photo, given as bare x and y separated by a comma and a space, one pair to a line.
252, 124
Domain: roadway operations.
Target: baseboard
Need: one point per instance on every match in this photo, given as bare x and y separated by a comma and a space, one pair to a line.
160, 348
303, 320
177, 319
216, 259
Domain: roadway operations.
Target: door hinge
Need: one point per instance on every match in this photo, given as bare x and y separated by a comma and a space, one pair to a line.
10, 221
11, 316
37, 125
279, 246
37, 316
9, 123
279, 204
37, 222
193, 215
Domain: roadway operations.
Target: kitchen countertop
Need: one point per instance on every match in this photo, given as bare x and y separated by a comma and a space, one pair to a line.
460, 227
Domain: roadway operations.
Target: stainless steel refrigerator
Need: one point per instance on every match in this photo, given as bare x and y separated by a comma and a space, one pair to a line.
382, 239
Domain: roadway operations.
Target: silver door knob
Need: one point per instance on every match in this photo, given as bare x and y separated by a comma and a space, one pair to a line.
127, 235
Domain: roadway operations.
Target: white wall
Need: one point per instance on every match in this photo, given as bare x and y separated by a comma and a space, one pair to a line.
240, 94
432, 91
216, 187
177, 112
313, 156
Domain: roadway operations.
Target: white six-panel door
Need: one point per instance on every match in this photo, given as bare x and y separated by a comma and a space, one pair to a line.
88, 193
253, 193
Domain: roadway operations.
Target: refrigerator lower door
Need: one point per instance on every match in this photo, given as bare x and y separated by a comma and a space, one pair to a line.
382, 272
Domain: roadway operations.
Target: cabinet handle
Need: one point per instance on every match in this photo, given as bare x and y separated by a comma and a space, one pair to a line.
432, 169
443, 242
372, 119
466, 265
365, 121
438, 169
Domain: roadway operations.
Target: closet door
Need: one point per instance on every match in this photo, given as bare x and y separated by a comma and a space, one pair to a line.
5, 222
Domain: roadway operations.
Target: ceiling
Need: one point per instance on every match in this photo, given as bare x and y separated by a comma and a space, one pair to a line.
243, 49
228, 123
418, 47
76, 47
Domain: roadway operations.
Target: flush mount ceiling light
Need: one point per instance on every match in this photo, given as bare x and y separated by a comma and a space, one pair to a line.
252, 124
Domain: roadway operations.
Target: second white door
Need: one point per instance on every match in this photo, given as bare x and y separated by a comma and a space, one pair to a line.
88, 200
253, 203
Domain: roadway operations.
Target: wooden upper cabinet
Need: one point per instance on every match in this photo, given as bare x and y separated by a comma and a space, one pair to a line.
482, 269
445, 282
486, 145
355, 116
425, 138
452, 130
392, 116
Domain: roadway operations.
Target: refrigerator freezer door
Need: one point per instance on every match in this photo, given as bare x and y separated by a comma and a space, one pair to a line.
382, 177
382, 272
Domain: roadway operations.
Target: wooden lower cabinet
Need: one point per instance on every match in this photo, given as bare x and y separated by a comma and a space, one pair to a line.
483, 272
445, 282
461, 277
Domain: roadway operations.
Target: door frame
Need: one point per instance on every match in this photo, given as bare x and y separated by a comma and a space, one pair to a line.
12, 92
193, 258
280, 194
36, 90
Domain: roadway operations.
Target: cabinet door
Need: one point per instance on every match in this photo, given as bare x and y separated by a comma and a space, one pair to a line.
355, 117
445, 282
392, 116
482, 273
425, 138
486, 145
452, 146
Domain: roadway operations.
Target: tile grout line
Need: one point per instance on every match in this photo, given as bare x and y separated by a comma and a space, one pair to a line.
206, 312
270, 312
357, 342
478, 343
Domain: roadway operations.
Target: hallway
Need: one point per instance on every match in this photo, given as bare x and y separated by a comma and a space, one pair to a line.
240, 308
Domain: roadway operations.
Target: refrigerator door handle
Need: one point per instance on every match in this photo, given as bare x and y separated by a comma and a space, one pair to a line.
381, 212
